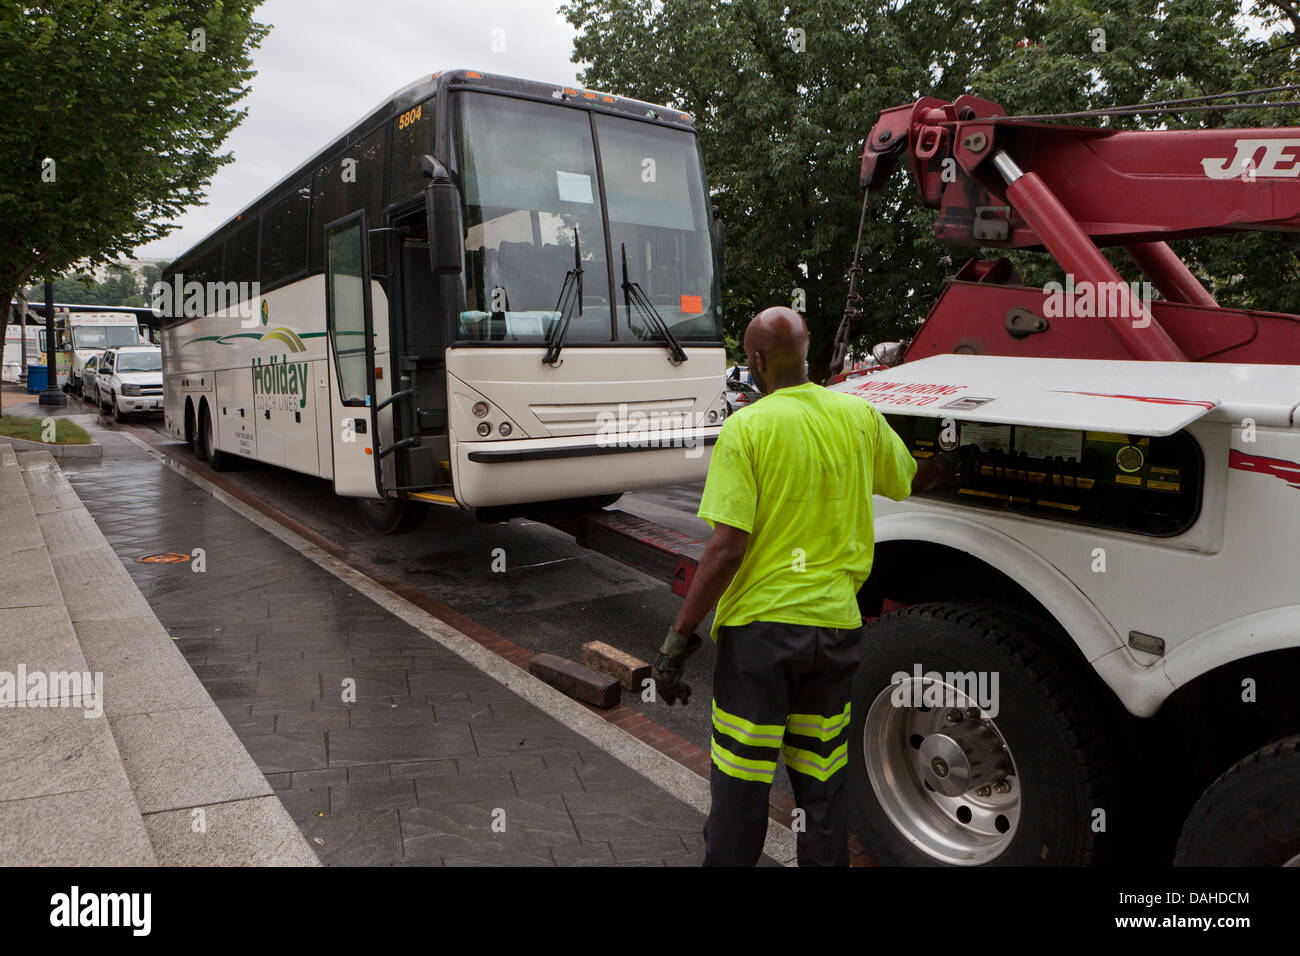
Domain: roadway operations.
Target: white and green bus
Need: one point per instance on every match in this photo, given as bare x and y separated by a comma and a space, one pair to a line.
491, 292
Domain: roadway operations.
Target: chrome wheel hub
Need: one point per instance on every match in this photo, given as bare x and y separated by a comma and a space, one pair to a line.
944, 776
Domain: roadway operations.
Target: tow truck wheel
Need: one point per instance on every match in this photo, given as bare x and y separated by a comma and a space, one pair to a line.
972, 744
392, 515
1250, 816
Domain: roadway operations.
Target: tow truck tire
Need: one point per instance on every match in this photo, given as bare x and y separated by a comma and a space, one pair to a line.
1250, 816
1048, 716
392, 515
217, 460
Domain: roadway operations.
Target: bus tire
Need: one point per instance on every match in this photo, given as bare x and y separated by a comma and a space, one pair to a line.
392, 515
1045, 730
217, 459
1250, 816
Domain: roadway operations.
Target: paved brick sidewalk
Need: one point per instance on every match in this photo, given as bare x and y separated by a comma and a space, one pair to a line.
432, 751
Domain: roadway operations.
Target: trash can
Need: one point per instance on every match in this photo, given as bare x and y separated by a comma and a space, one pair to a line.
36, 378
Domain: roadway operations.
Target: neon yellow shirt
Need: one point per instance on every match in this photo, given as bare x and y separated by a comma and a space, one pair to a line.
797, 470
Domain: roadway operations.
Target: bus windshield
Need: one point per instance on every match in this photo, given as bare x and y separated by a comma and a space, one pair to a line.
104, 336
533, 190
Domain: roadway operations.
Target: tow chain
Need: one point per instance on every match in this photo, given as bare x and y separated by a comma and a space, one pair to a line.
840, 346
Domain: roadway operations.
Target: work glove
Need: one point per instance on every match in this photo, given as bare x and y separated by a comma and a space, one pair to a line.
670, 664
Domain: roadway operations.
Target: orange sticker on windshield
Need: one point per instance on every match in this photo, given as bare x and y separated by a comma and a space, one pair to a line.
692, 304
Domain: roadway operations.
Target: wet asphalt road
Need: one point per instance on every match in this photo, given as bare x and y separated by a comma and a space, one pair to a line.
554, 595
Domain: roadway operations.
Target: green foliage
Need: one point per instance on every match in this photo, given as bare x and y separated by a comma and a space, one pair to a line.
782, 130
131, 114
122, 287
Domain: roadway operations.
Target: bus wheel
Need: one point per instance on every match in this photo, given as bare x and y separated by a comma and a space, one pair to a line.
1250, 816
971, 744
217, 460
392, 515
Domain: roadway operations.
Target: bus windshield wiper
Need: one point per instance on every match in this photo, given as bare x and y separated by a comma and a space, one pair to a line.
570, 295
633, 293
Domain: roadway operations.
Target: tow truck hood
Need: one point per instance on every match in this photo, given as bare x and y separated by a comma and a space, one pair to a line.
1136, 398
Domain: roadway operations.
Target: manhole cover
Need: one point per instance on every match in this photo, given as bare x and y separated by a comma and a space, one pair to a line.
167, 557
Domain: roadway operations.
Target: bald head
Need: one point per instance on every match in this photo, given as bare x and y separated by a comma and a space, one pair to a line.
776, 342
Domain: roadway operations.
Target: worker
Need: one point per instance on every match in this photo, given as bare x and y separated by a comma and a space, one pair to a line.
789, 496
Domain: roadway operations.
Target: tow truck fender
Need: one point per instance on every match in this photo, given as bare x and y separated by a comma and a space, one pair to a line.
1141, 689
1258, 633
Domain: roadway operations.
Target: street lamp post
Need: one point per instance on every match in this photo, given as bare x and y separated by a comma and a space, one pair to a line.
52, 394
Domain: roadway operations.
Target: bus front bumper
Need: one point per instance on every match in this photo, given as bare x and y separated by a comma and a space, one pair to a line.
492, 473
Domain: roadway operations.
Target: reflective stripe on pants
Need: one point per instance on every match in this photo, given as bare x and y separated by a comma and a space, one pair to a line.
780, 688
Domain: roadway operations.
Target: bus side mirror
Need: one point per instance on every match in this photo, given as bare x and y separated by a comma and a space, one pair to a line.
442, 213
719, 234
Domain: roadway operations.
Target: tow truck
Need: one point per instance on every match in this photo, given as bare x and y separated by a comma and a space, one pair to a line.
1086, 648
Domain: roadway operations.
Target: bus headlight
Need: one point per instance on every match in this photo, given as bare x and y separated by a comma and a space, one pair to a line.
484, 429
713, 415
505, 429
481, 411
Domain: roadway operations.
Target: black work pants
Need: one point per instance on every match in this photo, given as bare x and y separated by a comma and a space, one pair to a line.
780, 689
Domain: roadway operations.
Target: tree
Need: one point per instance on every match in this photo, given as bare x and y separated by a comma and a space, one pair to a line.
785, 91
112, 113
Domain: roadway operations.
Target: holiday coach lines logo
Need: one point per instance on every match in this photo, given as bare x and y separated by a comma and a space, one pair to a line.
194, 299
70, 689
280, 385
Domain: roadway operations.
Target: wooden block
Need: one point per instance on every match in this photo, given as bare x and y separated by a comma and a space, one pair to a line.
627, 670
577, 681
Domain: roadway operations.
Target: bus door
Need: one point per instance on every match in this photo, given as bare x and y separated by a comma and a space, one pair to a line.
420, 408
351, 358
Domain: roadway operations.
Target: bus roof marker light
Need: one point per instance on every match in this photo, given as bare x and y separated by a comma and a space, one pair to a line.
473, 75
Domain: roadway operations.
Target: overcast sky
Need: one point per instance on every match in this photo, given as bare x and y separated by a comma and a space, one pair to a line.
327, 63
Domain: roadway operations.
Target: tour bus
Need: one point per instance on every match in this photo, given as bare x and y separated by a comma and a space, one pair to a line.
490, 292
